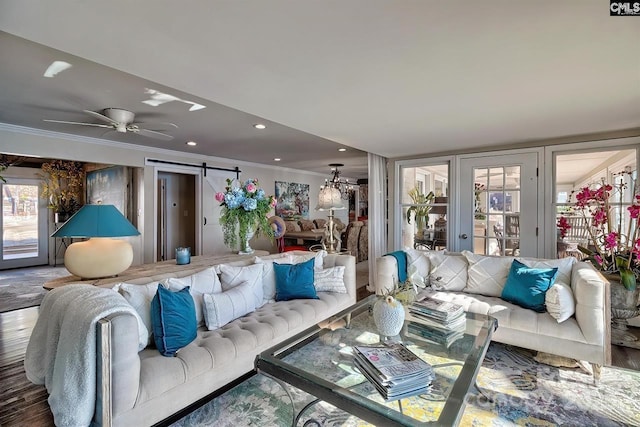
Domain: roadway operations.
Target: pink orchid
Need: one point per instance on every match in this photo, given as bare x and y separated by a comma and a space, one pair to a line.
634, 211
598, 259
219, 197
611, 240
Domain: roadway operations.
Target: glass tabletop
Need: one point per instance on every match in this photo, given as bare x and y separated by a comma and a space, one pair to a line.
320, 362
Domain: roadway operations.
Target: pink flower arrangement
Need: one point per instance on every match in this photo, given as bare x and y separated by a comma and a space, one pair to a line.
613, 249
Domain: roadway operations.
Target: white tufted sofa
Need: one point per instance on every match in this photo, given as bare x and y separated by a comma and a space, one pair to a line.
143, 388
584, 336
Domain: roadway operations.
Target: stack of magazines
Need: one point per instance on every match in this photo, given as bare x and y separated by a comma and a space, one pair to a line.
437, 321
394, 370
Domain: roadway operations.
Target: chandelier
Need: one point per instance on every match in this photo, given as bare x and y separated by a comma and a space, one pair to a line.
342, 185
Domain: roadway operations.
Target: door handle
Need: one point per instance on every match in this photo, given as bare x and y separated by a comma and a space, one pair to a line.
463, 236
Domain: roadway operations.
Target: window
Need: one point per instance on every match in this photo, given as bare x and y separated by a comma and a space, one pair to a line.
424, 204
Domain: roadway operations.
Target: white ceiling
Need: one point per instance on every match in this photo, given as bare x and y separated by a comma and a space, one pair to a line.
397, 78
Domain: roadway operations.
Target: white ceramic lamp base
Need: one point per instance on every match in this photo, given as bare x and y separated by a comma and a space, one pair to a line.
98, 257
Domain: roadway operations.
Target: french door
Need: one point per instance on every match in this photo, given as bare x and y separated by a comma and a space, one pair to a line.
23, 223
499, 204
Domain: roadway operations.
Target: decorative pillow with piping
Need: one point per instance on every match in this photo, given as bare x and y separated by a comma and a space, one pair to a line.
202, 282
143, 331
330, 280
173, 316
140, 296
221, 308
306, 225
486, 274
292, 226
448, 272
526, 286
419, 260
317, 256
269, 276
295, 281
564, 266
560, 302
232, 276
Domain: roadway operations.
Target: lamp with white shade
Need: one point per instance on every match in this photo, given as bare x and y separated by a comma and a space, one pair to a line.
100, 256
330, 199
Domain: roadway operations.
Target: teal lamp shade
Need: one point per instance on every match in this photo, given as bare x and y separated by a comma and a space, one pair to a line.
97, 221
100, 256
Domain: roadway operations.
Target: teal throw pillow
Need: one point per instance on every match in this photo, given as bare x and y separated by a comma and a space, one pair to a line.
295, 281
527, 286
173, 319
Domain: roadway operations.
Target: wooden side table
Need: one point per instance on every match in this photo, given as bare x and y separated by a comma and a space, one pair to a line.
156, 269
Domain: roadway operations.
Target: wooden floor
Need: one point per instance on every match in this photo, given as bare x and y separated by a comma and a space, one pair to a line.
21, 402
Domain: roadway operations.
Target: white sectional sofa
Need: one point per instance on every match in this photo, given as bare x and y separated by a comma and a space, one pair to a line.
141, 388
476, 282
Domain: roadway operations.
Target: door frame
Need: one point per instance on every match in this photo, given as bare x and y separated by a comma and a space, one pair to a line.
185, 170
538, 217
43, 227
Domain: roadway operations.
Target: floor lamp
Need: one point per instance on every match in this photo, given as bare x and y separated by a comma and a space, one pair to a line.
330, 199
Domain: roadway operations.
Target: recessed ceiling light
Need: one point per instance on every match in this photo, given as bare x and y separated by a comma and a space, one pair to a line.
342, 149
277, 159
259, 126
192, 143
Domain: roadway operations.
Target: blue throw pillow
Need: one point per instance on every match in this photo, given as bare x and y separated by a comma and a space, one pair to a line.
173, 319
526, 286
295, 281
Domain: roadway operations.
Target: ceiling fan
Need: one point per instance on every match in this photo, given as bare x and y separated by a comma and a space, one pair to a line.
120, 120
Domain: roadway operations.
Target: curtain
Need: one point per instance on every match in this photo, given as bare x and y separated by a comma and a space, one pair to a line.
377, 220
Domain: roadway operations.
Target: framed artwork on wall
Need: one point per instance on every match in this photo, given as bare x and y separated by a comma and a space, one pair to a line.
109, 186
293, 200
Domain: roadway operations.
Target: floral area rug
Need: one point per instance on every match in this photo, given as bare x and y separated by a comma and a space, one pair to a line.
522, 392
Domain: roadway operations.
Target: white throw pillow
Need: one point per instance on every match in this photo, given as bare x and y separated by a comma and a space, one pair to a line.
564, 266
487, 274
559, 301
202, 282
418, 262
448, 272
330, 280
232, 276
221, 308
269, 276
318, 256
140, 296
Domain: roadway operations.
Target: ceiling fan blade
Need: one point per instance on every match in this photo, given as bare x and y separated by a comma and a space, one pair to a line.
101, 117
153, 134
78, 123
162, 126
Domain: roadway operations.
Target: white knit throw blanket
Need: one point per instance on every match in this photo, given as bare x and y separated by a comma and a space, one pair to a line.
62, 349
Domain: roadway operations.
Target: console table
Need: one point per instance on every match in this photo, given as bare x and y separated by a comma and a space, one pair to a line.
161, 268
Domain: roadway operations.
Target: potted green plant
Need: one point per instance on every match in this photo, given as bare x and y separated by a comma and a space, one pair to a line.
244, 212
420, 208
63, 186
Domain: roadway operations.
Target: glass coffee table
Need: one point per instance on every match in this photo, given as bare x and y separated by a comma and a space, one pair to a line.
319, 361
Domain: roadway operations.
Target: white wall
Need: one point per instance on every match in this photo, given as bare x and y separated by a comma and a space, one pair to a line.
32, 142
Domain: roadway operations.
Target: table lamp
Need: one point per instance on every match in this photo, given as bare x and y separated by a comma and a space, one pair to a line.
330, 199
100, 256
